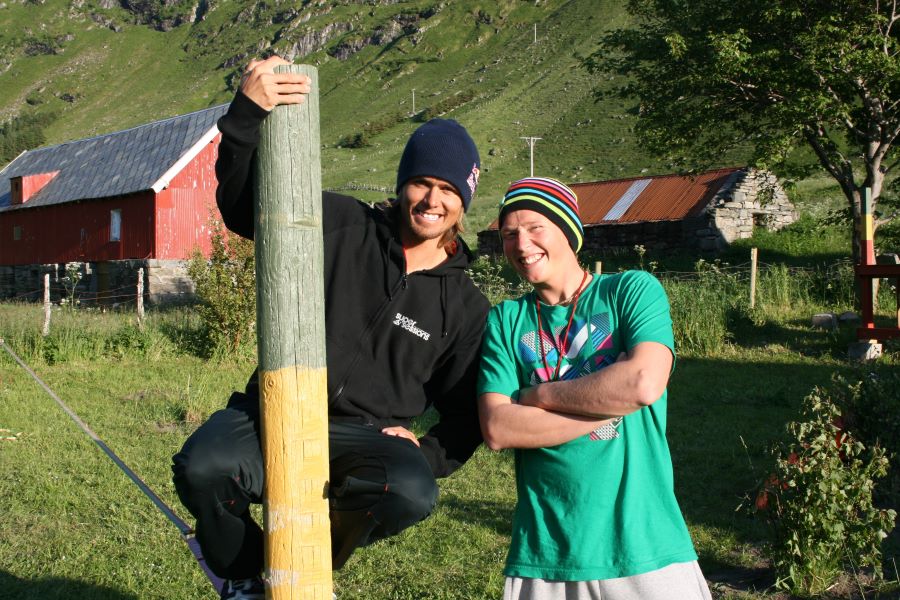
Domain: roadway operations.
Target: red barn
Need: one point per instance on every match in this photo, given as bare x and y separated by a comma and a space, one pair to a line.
146, 194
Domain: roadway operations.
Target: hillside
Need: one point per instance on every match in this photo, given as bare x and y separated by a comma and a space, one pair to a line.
99, 66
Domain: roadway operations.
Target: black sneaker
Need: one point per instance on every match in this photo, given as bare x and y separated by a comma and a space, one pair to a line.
244, 589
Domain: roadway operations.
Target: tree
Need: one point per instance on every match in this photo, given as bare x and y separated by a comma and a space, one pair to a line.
772, 76
23, 132
225, 285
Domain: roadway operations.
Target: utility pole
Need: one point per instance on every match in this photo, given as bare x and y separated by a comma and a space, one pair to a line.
290, 298
535, 33
414, 101
531, 141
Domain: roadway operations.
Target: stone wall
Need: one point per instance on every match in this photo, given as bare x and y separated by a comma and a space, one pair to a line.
108, 282
751, 198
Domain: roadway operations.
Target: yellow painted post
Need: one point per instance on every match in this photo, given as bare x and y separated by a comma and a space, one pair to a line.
291, 346
140, 298
753, 256
45, 331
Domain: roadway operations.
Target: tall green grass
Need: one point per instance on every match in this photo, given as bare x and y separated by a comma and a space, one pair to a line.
703, 309
708, 308
91, 334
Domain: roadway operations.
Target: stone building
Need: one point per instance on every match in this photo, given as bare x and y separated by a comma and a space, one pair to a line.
705, 212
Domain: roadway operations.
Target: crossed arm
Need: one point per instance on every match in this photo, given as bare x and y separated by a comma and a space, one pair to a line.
553, 413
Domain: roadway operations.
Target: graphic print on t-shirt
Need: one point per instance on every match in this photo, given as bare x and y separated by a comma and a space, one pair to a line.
584, 354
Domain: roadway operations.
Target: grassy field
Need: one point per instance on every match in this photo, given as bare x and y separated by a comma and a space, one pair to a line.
74, 526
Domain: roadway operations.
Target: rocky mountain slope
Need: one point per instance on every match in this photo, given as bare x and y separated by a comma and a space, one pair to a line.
506, 69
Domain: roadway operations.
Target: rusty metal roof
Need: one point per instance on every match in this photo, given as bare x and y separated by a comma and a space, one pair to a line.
654, 198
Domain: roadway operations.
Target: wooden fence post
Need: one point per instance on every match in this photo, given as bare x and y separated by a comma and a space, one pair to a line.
291, 344
140, 298
868, 285
753, 255
46, 329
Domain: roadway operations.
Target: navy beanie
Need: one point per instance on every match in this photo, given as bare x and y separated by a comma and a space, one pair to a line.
442, 148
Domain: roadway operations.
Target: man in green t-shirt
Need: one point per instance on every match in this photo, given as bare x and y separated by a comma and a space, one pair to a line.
573, 377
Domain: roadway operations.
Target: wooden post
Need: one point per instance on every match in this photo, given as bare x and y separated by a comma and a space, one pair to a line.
598, 267
868, 229
753, 255
291, 344
140, 298
868, 289
869, 242
897, 292
46, 329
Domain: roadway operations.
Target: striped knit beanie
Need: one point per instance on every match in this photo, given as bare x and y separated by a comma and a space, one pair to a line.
550, 198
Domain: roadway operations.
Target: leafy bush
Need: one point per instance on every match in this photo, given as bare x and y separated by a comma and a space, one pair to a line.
819, 500
872, 412
356, 140
225, 284
129, 340
487, 274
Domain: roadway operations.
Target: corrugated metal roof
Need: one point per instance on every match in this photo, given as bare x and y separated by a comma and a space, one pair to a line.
655, 198
114, 164
627, 199
664, 198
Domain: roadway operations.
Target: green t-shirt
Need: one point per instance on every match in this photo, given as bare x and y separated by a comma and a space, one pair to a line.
600, 506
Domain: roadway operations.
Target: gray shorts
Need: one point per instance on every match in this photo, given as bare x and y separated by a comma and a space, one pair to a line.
679, 581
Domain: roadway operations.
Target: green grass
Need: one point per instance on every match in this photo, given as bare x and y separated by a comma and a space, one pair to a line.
74, 524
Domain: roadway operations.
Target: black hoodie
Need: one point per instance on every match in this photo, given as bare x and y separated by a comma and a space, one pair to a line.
396, 344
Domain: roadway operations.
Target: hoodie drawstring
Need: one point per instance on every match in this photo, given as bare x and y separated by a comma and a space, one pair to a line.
443, 306
387, 266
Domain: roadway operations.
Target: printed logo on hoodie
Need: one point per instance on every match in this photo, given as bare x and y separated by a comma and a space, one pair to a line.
410, 325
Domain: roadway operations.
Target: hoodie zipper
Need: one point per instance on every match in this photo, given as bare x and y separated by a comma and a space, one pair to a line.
401, 286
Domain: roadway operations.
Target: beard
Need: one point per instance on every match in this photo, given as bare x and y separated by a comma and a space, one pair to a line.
415, 232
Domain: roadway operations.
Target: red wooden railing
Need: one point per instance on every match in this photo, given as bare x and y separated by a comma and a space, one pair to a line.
867, 272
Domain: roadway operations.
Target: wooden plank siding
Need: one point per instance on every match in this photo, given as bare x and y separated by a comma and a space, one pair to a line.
78, 231
164, 226
184, 209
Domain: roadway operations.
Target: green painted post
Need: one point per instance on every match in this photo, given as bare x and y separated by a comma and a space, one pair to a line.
291, 341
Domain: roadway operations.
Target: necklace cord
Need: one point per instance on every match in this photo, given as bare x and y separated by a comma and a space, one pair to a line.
560, 351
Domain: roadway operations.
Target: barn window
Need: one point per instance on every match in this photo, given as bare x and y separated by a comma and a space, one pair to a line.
17, 232
115, 225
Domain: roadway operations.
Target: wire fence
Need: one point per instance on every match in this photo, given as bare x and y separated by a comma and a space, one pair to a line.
744, 270
120, 295
127, 294
66, 291
831, 283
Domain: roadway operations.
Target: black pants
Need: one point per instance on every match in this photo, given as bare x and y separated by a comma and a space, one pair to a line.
379, 486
